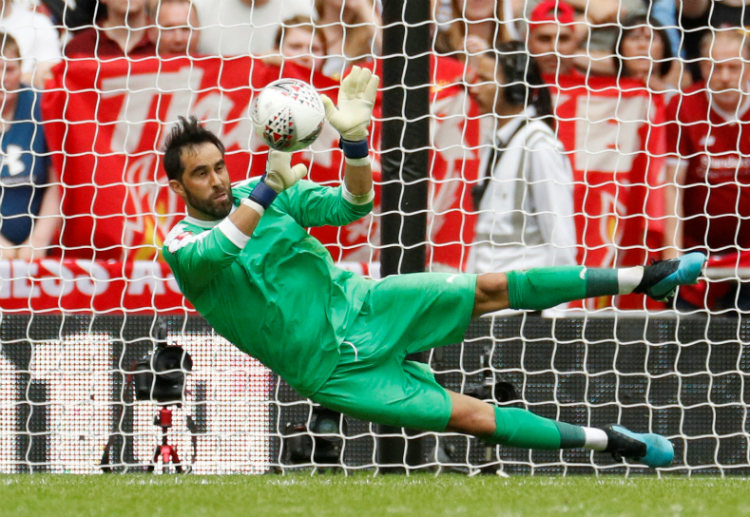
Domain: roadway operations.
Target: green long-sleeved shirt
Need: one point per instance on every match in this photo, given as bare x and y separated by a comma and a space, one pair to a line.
277, 296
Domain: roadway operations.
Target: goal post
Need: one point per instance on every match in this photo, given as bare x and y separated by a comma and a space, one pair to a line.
405, 141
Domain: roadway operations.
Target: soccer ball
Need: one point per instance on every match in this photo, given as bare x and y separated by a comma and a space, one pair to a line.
288, 114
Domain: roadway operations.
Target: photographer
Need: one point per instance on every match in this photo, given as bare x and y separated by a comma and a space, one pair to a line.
524, 198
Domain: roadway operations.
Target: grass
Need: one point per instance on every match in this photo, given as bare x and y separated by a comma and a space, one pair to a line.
367, 495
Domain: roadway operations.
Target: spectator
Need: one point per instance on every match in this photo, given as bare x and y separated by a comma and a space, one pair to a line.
525, 199
643, 52
38, 41
710, 144
597, 27
473, 27
121, 31
615, 134
244, 27
552, 39
351, 29
699, 17
29, 198
173, 27
298, 41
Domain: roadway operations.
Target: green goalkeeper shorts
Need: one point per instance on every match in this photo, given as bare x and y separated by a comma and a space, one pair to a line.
402, 315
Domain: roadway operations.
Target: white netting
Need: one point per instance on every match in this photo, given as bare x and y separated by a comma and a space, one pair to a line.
651, 113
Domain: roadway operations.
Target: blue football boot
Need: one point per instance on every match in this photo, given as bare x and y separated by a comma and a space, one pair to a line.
652, 449
660, 279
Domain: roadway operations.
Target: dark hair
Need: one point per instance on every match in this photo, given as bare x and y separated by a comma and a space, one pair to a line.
522, 82
635, 21
187, 133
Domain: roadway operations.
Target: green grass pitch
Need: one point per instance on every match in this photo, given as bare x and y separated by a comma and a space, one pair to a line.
367, 495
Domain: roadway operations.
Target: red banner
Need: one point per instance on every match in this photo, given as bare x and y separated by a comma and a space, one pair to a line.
454, 165
107, 286
614, 131
107, 121
78, 285
110, 119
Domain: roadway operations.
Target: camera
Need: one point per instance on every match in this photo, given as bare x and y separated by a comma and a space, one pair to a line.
159, 376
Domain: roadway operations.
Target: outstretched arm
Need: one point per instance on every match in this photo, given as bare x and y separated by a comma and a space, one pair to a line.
352, 119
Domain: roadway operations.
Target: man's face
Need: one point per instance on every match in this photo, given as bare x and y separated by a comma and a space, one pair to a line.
300, 46
174, 32
205, 183
726, 73
486, 89
551, 45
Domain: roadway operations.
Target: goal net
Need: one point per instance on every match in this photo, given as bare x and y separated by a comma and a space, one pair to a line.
641, 176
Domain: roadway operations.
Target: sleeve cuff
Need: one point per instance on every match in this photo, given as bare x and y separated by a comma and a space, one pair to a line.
361, 199
233, 233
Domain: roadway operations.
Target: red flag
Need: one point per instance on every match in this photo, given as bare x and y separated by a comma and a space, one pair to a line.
614, 131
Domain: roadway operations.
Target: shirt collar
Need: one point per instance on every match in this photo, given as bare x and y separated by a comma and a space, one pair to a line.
734, 117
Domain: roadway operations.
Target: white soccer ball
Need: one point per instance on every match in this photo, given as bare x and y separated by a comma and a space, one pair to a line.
288, 114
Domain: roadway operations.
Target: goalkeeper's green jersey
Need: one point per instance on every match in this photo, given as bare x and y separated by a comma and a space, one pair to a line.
277, 296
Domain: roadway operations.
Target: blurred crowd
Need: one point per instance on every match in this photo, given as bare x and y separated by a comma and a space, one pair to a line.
682, 68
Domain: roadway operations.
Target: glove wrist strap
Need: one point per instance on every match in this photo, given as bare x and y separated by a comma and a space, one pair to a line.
360, 149
263, 194
252, 204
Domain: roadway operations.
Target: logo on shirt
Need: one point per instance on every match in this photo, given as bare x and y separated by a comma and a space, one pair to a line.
12, 160
707, 141
176, 240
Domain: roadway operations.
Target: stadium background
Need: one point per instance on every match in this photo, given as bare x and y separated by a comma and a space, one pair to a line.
73, 323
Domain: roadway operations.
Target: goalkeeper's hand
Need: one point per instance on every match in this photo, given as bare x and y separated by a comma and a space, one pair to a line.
356, 100
280, 175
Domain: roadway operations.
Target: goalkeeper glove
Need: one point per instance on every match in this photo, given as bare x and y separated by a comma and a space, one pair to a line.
279, 176
352, 117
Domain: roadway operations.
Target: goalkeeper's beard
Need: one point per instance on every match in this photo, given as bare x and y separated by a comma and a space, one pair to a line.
211, 207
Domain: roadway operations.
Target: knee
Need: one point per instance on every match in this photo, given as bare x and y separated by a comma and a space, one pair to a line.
491, 293
474, 424
490, 285
471, 416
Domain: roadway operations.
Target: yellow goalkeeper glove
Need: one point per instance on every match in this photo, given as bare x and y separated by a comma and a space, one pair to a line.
356, 100
279, 176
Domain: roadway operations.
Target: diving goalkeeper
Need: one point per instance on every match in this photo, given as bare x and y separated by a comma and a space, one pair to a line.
243, 258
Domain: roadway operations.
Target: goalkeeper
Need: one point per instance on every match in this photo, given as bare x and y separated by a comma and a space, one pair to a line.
243, 258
